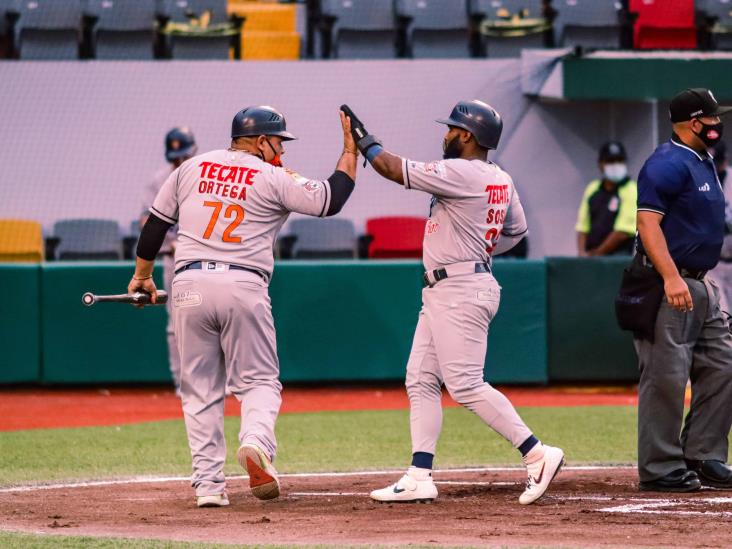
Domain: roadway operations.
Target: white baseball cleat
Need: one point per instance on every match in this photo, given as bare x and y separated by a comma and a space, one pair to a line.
217, 500
262, 475
414, 487
542, 465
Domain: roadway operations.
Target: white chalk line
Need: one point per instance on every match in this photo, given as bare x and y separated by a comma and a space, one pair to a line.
157, 480
654, 507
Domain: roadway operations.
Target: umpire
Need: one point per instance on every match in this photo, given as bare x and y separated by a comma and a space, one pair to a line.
681, 227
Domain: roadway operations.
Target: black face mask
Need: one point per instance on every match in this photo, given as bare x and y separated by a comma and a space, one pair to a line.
710, 133
452, 148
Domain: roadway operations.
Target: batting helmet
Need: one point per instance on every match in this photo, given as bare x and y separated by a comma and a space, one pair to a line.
480, 119
264, 120
179, 143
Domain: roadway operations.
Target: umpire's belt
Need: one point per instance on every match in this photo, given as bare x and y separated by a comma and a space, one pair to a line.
685, 273
217, 265
456, 269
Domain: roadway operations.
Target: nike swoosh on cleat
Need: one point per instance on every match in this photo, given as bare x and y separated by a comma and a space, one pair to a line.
541, 475
399, 490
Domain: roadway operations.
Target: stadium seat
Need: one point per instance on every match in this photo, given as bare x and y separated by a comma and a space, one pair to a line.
395, 237
123, 29
20, 241
87, 239
435, 29
359, 29
48, 29
593, 24
720, 11
8, 10
664, 25
270, 30
511, 16
323, 239
206, 12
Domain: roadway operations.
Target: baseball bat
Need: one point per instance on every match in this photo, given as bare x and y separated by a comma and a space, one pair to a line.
138, 298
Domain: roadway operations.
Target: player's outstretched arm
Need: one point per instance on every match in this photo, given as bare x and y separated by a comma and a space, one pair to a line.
386, 164
151, 240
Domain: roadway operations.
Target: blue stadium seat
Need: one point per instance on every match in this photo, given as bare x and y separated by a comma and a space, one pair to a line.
509, 46
721, 10
436, 29
362, 29
323, 238
588, 23
48, 29
125, 29
88, 239
197, 47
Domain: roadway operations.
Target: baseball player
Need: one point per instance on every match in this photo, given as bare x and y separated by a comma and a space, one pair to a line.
180, 145
475, 214
229, 206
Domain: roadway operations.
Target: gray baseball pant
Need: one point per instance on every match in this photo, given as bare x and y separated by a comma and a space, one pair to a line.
173, 355
449, 347
696, 345
225, 334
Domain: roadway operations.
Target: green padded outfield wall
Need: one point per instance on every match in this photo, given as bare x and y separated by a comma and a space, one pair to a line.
109, 342
20, 323
336, 321
349, 320
585, 343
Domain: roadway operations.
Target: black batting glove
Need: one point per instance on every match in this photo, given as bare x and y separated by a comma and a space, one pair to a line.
364, 140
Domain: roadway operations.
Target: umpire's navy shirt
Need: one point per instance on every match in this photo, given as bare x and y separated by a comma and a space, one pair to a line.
682, 185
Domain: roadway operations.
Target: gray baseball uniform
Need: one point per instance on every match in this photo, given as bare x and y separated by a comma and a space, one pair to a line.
149, 193
474, 205
229, 206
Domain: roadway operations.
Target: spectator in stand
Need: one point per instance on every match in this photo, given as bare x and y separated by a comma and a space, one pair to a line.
606, 217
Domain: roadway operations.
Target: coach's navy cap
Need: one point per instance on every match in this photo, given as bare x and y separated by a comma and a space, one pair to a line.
612, 151
695, 103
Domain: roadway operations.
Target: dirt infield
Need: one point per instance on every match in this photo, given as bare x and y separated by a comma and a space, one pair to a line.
39, 408
587, 507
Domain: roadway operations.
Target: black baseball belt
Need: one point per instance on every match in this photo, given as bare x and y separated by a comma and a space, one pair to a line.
433, 277
684, 272
212, 266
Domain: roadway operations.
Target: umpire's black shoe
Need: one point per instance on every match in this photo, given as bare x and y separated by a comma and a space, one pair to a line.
680, 480
712, 472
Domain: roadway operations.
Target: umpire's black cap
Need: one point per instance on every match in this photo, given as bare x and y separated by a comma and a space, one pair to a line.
695, 103
262, 120
612, 151
179, 143
480, 119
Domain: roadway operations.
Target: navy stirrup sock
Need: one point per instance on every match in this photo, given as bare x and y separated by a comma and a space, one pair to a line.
527, 445
423, 460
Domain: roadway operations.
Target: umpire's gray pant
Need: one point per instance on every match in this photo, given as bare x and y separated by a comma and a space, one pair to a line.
696, 345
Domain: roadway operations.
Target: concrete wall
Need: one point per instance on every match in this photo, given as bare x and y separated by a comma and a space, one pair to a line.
80, 139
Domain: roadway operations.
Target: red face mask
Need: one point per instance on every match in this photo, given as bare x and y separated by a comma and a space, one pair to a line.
276, 161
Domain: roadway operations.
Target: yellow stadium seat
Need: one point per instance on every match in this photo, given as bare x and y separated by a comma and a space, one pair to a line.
260, 45
265, 17
20, 241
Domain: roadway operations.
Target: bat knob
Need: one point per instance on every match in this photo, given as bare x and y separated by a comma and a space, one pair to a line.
88, 299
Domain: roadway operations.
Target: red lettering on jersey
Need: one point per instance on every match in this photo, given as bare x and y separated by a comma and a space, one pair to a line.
250, 176
234, 191
243, 194
209, 190
242, 171
497, 194
489, 217
204, 165
225, 192
231, 177
213, 171
218, 188
202, 187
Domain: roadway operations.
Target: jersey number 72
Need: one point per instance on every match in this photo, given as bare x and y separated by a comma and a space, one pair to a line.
233, 210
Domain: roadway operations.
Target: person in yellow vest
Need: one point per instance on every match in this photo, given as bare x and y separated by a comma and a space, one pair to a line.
606, 217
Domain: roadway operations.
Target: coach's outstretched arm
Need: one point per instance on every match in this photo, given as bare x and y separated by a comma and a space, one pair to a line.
388, 165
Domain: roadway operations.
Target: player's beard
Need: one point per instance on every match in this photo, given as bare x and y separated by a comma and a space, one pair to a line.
452, 148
